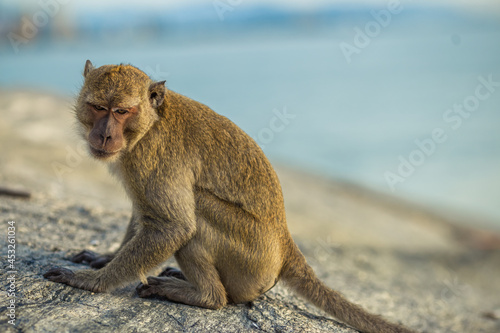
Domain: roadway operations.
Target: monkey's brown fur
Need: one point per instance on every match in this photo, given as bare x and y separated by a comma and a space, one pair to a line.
203, 191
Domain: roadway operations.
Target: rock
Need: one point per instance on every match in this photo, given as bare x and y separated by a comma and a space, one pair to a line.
436, 292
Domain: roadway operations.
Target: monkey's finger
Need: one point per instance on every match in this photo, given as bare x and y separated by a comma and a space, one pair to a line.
156, 280
85, 256
59, 274
151, 288
173, 272
100, 262
144, 291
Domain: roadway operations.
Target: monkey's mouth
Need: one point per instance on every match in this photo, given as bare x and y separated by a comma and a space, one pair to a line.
101, 153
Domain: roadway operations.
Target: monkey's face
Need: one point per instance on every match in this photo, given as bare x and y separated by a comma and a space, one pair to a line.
106, 138
116, 107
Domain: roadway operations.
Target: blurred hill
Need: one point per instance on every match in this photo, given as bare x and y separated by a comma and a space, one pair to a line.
54, 21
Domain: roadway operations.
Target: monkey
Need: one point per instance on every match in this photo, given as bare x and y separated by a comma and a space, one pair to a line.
202, 191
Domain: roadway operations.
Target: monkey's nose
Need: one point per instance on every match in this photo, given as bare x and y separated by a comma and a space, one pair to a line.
105, 139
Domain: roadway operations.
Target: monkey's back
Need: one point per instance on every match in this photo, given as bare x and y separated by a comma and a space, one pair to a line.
226, 161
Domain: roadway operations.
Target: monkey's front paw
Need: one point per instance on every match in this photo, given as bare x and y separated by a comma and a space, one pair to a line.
59, 274
153, 288
86, 279
93, 259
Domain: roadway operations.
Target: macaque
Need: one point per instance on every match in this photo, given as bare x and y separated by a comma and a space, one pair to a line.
203, 191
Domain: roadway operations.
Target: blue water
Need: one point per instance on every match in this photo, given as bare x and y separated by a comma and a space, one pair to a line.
351, 121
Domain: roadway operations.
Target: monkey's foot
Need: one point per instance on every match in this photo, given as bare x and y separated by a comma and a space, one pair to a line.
180, 291
93, 259
153, 288
85, 279
173, 272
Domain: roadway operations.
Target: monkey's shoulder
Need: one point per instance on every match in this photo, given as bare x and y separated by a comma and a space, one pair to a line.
195, 121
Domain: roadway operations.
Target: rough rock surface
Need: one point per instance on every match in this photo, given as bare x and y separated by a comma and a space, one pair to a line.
391, 257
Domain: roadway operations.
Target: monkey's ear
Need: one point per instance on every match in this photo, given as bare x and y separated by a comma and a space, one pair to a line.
157, 93
88, 68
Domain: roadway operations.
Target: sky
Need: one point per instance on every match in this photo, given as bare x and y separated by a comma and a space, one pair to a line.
486, 8
482, 5
488, 5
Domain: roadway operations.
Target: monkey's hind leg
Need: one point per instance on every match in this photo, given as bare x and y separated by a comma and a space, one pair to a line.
202, 288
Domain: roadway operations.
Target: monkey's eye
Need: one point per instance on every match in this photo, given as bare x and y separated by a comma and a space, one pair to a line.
121, 111
98, 108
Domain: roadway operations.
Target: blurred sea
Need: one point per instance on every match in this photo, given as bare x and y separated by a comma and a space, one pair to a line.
351, 121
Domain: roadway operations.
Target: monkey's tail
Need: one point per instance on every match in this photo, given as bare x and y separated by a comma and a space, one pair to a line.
301, 278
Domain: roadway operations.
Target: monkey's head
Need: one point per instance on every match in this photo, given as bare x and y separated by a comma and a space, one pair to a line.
117, 105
